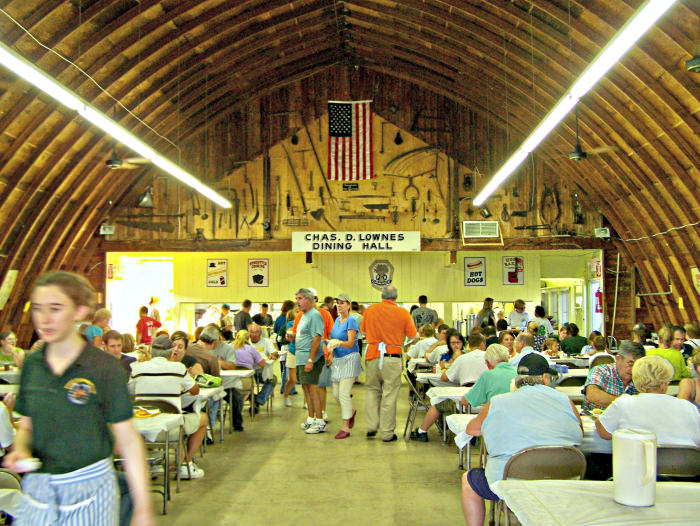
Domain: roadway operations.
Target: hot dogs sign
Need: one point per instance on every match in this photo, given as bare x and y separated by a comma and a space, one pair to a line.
474, 272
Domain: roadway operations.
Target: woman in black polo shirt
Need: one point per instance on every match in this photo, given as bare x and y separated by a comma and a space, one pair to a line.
71, 394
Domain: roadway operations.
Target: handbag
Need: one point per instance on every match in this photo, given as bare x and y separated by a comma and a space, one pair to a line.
207, 380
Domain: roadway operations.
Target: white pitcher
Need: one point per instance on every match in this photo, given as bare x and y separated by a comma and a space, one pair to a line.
634, 467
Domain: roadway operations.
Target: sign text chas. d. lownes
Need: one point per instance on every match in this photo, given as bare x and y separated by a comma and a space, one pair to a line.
355, 241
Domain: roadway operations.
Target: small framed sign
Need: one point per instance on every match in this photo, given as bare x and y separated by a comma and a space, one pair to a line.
513, 270
258, 272
474, 272
217, 272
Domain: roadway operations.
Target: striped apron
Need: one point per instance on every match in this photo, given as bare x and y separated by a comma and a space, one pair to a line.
85, 497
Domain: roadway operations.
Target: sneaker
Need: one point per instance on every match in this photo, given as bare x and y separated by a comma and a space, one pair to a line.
306, 425
194, 471
324, 415
420, 437
393, 438
316, 427
306, 406
287, 402
371, 434
209, 438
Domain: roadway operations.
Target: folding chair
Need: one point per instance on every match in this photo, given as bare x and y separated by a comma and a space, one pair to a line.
172, 405
678, 461
572, 381
416, 403
600, 360
542, 462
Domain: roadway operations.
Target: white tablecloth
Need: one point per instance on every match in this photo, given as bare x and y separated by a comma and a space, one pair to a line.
588, 502
433, 379
457, 423
439, 394
232, 379
592, 443
575, 373
11, 376
151, 427
574, 392
578, 362
417, 363
11, 501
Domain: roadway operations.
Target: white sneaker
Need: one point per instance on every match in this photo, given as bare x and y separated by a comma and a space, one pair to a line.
316, 427
194, 472
287, 402
306, 425
324, 415
306, 406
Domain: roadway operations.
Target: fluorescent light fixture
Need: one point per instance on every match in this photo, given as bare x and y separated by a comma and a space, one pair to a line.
645, 17
51, 87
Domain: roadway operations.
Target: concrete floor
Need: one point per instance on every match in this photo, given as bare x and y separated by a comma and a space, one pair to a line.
275, 474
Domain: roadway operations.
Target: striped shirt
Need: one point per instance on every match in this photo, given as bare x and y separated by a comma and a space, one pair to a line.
160, 378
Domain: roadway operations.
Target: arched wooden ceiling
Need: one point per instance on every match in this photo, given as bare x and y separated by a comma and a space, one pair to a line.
181, 65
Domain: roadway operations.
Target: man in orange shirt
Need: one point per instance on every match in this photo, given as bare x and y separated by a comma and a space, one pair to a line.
385, 326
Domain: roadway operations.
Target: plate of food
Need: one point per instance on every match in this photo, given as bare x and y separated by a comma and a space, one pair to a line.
145, 411
595, 413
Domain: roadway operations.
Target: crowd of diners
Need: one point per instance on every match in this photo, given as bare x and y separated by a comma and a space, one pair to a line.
506, 359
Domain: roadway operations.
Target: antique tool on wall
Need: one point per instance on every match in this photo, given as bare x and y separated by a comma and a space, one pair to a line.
533, 227
361, 216
236, 208
250, 186
413, 208
318, 161
311, 180
320, 194
257, 210
302, 221
410, 184
147, 225
381, 149
278, 203
424, 219
550, 205
395, 215
318, 216
377, 206
296, 179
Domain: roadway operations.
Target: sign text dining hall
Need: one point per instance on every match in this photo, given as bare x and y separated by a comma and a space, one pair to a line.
355, 241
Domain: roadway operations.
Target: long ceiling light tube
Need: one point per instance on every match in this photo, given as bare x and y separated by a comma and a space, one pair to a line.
24, 69
645, 17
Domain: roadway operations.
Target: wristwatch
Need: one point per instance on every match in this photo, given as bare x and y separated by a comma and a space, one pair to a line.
309, 361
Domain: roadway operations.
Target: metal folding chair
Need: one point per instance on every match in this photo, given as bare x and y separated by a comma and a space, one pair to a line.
416, 403
542, 462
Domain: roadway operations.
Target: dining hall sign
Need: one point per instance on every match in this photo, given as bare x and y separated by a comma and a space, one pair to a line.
356, 241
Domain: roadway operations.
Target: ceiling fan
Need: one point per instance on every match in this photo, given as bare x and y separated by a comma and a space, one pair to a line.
579, 155
128, 163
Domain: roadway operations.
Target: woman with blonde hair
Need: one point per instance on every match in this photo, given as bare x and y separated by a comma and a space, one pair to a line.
100, 325
680, 425
486, 315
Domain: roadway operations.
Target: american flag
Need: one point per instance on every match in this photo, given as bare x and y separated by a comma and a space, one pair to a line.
350, 141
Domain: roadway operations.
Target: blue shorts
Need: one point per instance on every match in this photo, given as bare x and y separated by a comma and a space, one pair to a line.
477, 480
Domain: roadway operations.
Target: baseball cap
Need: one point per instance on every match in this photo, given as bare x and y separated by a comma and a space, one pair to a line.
343, 297
534, 364
226, 306
162, 342
313, 291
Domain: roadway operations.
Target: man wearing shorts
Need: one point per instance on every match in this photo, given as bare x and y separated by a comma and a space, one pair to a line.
309, 358
513, 421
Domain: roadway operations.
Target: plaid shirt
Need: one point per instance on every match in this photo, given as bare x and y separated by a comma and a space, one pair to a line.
606, 378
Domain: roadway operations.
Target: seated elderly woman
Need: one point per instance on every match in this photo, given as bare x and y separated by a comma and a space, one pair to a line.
9, 352
680, 425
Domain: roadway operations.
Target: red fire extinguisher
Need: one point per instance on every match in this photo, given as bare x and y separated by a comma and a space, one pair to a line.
598, 301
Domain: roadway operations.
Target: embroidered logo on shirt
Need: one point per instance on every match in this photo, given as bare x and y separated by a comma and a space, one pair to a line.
79, 390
